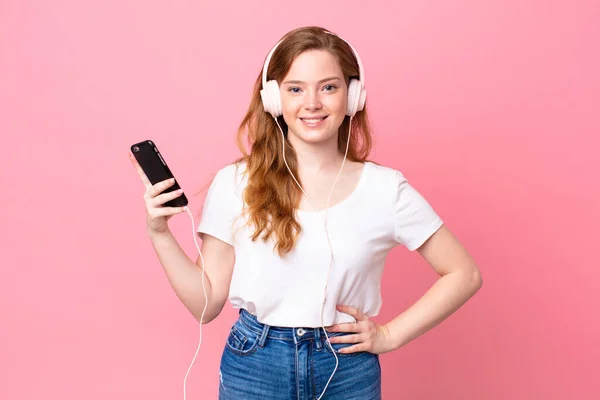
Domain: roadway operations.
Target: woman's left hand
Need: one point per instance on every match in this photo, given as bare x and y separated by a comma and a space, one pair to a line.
368, 335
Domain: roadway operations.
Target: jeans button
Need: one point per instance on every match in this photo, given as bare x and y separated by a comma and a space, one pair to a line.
300, 332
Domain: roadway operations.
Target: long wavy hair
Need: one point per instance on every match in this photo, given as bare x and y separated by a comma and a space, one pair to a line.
271, 195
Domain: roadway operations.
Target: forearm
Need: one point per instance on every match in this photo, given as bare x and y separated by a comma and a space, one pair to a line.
446, 296
184, 275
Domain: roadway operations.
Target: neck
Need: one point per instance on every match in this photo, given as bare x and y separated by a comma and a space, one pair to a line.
322, 158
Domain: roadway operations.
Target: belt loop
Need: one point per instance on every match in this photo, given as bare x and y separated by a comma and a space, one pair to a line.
263, 336
318, 338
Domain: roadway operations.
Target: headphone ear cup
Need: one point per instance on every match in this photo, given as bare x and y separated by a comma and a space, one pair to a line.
271, 98
362, 100
356, 99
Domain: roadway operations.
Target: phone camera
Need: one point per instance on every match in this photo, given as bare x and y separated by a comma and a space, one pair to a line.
136, 149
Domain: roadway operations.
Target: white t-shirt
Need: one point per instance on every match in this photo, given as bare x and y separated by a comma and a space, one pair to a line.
384, 210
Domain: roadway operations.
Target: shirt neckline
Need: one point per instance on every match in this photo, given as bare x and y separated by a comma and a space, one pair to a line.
348, 198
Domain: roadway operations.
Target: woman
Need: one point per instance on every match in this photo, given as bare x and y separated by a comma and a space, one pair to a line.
295, 233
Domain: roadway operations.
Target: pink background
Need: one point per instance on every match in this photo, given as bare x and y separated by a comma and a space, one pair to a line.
490, 108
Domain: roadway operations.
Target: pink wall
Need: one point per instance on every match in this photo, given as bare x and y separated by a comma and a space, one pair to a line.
490, 108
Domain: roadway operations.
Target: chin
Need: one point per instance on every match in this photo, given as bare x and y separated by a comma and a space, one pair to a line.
315, 136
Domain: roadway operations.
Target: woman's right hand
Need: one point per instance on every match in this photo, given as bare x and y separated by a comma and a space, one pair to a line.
157, 216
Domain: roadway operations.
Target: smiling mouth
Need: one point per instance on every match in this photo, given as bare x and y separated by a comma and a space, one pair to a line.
313, 121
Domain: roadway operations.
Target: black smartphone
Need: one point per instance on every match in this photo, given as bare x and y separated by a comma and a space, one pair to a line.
156, 169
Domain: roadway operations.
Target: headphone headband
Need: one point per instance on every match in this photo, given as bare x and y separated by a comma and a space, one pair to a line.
358, 60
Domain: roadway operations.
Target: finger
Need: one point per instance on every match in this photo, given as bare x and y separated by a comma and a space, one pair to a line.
165, 197
160, 187
356, 338
140, 171
353, 349
355, 312
345, 327
165, 211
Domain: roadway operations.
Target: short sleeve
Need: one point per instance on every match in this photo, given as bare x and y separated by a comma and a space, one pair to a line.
221, 206
414, 218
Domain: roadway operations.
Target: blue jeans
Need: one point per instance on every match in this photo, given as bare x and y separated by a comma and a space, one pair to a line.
267, 362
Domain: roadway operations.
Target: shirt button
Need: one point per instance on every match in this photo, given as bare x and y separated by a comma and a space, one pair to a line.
300, 332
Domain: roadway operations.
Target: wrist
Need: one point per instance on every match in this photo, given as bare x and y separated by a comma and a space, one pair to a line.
394, 340
158, 235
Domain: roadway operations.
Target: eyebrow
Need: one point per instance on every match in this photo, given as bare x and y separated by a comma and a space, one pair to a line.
321, 81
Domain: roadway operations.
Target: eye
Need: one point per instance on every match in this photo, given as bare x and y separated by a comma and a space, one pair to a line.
329, 88
294, 89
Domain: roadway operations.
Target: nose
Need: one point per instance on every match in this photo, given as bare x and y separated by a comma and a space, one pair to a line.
312, 100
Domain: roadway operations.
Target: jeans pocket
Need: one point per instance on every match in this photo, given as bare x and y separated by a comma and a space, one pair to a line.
242, 342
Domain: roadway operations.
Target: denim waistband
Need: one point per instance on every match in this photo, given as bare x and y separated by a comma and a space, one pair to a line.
278, 332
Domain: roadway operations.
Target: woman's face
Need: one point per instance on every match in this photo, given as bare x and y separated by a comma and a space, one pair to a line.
314, 97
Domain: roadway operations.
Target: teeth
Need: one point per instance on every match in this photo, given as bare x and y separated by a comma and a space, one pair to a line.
312, 121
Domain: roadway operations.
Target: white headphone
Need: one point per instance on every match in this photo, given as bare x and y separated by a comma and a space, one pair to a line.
271, 96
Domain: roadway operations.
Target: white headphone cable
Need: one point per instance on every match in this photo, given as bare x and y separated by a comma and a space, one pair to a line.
326, 233
328, 270
205, 299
